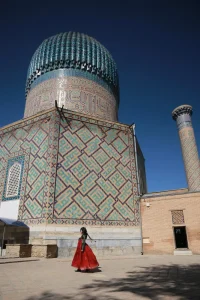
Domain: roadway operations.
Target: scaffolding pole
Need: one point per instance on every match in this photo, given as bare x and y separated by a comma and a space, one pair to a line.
2, 241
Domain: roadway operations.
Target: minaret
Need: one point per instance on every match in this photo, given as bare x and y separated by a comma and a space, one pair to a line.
182, 116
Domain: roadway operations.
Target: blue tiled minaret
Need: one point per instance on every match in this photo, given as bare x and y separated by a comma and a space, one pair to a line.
182, 116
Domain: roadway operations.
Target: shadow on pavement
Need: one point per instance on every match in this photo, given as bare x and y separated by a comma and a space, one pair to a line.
82, 296
17, 261
97, 270
156, 282
159, 282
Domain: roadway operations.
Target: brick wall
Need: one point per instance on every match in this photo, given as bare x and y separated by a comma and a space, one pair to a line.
157, 226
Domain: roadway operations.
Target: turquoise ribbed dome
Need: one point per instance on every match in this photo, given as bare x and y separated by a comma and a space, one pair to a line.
72, 50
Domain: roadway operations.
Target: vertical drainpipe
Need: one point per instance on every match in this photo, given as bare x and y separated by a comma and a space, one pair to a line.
3, 237
136, 161
138, 183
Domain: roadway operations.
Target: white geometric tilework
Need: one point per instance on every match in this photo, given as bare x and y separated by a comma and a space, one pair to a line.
13, 179
13, 183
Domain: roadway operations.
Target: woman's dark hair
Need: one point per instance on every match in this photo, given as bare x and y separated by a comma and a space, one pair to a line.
84, 231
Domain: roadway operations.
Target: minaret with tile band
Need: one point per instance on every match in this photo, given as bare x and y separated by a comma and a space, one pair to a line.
182, 116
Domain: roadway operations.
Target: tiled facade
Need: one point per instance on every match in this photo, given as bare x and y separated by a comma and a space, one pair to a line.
78, 94
78, 72
59, 73
29, 139
96, 175
77, 170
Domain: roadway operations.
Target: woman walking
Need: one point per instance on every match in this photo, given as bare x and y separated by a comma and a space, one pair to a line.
84, 259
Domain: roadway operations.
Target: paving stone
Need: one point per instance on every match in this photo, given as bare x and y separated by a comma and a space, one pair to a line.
136, 278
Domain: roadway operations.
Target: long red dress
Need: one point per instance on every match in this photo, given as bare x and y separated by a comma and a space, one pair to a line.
84, 260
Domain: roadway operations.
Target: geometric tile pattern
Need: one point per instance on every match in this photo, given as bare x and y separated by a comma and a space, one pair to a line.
177, 217
190, 157
76, 93
70, 72
28, 138
50, 173
90, 180
13, 180
96, 177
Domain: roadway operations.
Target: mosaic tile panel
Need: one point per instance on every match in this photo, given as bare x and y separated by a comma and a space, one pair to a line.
76, 94
78, 185
96, 178
29, 138
69, 73
50, 173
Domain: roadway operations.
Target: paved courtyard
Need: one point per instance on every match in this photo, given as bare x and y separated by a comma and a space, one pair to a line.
138, 277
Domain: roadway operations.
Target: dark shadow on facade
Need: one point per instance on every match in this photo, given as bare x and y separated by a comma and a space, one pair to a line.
12, 232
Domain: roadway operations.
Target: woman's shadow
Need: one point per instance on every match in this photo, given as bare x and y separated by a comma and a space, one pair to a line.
97, 270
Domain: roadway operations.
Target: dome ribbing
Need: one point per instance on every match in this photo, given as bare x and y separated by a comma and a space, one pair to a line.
72, 50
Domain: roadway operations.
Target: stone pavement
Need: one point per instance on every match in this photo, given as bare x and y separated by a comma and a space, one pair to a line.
137, 277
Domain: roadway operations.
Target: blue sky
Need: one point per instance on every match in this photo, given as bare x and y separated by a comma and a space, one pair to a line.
156, 45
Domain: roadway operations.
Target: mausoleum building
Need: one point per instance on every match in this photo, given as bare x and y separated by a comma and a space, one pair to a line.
69, 163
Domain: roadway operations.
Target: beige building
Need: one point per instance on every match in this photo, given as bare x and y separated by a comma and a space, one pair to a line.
171, 222
171, 219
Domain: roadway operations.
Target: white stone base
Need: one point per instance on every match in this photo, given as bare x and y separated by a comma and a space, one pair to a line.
106, 240
182, 252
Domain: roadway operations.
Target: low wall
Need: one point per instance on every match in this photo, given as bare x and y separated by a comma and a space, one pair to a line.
67, 248
45, 251
18, 250
41, 251
107, 241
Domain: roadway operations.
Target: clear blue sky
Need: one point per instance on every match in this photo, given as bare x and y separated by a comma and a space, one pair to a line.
156, 45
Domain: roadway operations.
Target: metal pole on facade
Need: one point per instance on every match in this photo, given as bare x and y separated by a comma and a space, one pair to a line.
138, 184
136, 159
2, 242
